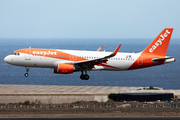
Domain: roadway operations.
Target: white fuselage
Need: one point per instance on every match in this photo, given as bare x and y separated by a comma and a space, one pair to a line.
122, 61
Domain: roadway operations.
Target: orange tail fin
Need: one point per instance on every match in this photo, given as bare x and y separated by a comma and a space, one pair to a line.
160, 44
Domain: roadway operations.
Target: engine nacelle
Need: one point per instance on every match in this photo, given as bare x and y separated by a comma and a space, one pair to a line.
64, 69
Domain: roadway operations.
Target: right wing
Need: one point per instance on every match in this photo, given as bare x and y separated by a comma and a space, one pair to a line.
99, 49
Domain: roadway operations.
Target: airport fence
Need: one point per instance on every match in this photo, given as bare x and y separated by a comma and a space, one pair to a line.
86, 106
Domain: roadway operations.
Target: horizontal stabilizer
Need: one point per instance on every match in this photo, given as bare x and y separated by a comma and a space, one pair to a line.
166, 60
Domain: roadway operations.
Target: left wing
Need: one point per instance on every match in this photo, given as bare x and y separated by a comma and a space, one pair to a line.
89, 64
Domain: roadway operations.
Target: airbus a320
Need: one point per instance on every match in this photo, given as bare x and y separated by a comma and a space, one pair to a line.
69, 61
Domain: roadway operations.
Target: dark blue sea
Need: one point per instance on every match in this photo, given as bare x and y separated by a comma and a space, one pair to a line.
165, 76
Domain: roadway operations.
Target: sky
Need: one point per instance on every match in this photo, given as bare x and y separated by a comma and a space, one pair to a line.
88, 18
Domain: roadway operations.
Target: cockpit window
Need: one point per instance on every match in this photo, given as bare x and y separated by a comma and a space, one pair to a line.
15, 53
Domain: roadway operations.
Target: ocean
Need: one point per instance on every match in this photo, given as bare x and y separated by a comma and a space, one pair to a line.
165, 76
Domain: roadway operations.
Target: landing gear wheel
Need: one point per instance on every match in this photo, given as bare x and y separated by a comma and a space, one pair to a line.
26, 74
82, 76
27, 70
86, 77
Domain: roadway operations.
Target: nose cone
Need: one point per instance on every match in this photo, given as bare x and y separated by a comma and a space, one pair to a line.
7, 59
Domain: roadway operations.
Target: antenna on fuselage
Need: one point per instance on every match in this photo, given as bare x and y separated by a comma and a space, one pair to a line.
30, 47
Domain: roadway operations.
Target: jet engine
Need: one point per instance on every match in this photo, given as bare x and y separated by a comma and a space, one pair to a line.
64, 69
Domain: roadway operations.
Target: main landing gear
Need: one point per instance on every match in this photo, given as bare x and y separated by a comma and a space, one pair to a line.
84, 77
26, 74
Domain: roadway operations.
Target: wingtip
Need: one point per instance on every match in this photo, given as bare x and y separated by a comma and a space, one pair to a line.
116, 50
99, 49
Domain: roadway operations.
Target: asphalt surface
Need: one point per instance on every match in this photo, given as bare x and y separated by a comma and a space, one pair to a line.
99, 118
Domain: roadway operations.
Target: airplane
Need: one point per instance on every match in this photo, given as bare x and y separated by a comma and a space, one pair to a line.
69, 61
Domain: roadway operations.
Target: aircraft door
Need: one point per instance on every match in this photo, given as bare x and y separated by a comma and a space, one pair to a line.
28, 55
140, 60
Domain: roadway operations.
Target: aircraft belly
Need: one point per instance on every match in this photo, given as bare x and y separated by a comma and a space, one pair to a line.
43, 62
37, 61
23, 62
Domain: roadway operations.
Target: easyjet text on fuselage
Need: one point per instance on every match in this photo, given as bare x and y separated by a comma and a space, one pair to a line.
44, 53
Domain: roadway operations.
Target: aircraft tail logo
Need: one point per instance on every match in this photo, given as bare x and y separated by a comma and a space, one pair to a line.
160, 44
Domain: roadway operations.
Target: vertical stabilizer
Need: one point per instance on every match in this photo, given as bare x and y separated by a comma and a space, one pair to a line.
160, 44
155, 53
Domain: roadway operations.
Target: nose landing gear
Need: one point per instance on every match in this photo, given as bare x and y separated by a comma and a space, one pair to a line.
26, 74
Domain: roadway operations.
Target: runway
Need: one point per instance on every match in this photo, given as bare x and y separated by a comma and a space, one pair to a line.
60, 94
53, 89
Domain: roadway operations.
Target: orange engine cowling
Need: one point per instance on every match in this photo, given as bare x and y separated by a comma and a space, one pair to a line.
64, 69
